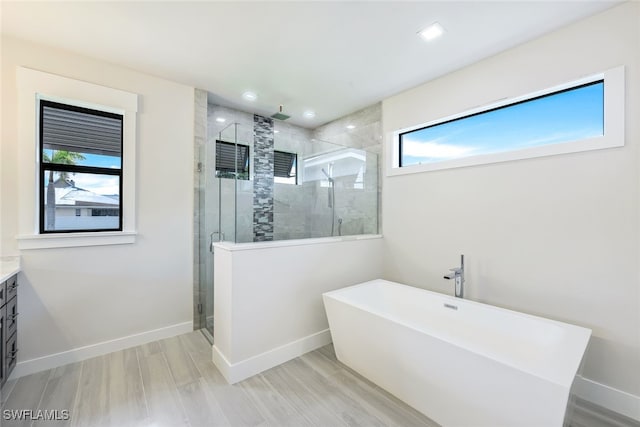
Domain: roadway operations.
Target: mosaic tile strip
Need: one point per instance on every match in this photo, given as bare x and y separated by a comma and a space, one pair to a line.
262, 178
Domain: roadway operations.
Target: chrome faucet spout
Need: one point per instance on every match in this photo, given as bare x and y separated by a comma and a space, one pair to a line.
457, 274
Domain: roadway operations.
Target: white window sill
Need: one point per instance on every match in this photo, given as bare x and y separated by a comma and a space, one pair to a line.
71, 240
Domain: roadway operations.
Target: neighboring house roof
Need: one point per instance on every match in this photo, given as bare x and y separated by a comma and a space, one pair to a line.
64, 183
71, 195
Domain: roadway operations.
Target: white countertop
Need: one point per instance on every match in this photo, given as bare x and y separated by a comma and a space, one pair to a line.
8, 267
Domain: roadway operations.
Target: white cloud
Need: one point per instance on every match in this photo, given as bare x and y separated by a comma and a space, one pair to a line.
98, 184
560, 137
434, 149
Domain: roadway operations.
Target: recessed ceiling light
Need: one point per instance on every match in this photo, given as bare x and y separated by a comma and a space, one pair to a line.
433, 31
220, 119
276, 131
309, 114
351, 126
249, 96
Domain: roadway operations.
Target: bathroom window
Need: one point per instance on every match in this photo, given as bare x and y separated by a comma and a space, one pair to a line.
80, 169
232, 160
578, 116
285, 167
98, 178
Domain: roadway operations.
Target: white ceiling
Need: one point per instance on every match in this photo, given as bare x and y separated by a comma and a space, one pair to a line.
331, 57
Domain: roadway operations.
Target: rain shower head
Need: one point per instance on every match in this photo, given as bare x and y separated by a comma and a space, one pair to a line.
280, 115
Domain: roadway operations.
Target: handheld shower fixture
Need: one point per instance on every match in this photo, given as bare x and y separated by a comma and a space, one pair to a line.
332, 199
327, 175
331, 194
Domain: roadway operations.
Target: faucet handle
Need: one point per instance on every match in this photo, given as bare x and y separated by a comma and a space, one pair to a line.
456, 272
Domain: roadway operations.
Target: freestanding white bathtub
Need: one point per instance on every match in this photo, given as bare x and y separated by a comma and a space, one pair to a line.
459, 362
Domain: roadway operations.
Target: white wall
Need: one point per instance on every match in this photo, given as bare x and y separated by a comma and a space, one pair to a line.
555, 236
75, 297
268, 297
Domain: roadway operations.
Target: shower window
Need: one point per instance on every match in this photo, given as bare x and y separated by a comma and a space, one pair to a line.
232, 160
285, 167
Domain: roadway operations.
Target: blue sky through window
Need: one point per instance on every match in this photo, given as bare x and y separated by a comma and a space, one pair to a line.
101, 161
570, 115
96, 160
99, 184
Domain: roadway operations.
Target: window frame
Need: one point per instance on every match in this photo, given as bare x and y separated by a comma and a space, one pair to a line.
43, 166
220, 174
34, 85
295, 157
614, 100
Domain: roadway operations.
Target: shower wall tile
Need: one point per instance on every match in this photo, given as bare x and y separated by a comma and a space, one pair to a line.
291, 201
363, 211
367, 131
244, 215
263, 164
290, 211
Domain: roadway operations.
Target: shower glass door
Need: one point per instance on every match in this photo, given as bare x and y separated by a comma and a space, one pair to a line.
224, 168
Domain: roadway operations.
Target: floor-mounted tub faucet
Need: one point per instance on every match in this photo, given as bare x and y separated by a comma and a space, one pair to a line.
458, 275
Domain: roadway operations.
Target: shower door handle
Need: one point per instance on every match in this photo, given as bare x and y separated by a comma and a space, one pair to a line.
220, 234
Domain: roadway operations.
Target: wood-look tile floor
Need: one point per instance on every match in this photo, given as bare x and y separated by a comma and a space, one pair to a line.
173, 382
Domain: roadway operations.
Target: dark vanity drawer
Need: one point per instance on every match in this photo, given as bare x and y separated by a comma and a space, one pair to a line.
11, 316
3, 293
8, 327
3, 347
11, 355
12, 287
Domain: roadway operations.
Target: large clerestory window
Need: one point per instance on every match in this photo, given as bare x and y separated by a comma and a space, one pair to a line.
587, 114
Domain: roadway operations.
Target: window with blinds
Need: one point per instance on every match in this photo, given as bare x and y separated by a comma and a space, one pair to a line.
232, 160
285, 167
80, 169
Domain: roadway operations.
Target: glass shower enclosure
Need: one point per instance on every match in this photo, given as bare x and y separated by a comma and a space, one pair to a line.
223, 168
312, 188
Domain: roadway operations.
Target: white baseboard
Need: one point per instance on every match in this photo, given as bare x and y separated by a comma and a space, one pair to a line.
221, 363
235, 372
610, 398
27, 367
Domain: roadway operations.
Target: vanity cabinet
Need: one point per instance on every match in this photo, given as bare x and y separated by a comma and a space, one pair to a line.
8, 327
3, 344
